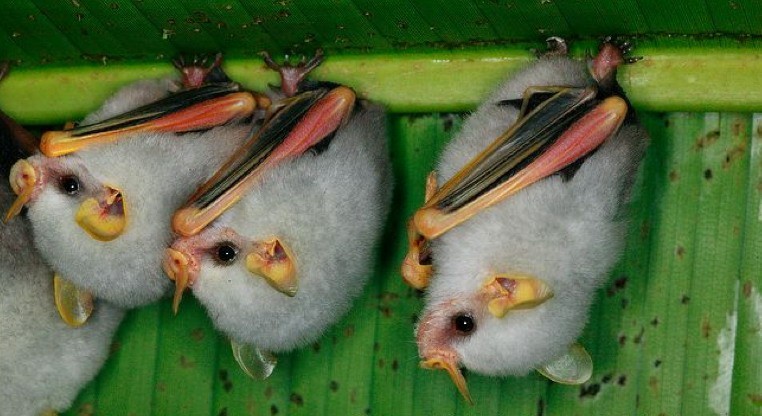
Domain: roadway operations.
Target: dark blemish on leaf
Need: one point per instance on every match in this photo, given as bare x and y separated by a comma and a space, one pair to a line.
680, 252
316, 347
618, 285
376, 347
333, 386
395, 365
284, 14
198, 334
367, 411
116, 346
296, 399
708, 174
540, 407
622, 380
381, 363
637, 401
706, 327
622, 340
273, 410
87, 409
685, 299
223, 375
402, 24
625, 302
645, 230
655, 321
639, 337
607, 378
666, 122
589, 391
269, 392
657, 363
227, 386
223, 412
349, 331
673, 176
747, 289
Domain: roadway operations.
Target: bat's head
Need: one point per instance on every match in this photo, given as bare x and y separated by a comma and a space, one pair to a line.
283, 263
100, 215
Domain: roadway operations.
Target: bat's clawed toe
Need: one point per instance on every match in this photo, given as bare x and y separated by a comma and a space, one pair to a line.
199, 71
504, 293
274, 261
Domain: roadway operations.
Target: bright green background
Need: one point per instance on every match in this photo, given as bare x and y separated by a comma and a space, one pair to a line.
682, 309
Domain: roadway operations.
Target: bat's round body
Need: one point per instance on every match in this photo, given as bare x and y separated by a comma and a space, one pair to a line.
153, 173
328, 208
566, 231
44, 362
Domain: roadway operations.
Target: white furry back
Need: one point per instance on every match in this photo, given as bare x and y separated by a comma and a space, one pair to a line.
569, 234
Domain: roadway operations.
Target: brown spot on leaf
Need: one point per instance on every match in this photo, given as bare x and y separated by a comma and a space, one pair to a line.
349, 331
657, 363
622, 340
269, 392
747, 289
706, 327
223, 375
227, 386
737, 128
625, 302
381, 363
540, 407
673, 176
653, 383
708, 140
755, 398
395, 365
708, 174
273, 410
116, 346
316, 347
618, 285
607, 378
333, 386
685, 299
622, 380
186, 363
734, 154
223, 412
680, 252
386, 311
645, 230
198, 334
655, 321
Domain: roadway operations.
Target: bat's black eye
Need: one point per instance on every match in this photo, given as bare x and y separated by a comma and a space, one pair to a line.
69, 184
226, 253
464, 324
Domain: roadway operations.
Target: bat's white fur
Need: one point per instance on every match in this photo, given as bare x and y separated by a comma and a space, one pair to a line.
329, 209
43, 362
569, 234
156, 173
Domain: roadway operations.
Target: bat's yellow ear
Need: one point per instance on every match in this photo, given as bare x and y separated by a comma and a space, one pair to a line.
505, 292
256, 363
274, 261
575, 367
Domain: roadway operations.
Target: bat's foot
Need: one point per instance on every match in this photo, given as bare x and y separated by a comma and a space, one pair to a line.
292, 75
199, 70
625, 46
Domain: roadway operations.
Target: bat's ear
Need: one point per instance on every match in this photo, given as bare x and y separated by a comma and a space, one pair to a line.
275, 262
73, 304
506, 292
575, 367
256, 363
104, 217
